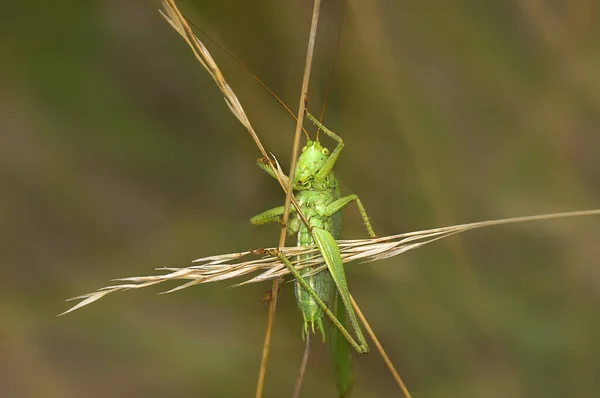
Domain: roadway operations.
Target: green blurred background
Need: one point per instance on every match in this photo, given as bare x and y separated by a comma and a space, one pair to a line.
118, 155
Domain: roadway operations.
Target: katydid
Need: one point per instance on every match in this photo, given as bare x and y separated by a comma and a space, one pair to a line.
325, 293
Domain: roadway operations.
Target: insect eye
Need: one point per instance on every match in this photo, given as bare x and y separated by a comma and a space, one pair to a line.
325, 151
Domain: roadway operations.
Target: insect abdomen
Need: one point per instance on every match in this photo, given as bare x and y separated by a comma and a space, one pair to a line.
322, 283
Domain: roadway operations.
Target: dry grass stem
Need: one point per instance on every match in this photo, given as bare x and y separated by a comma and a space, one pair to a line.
288, 199
179, 23
384, 355
267, 266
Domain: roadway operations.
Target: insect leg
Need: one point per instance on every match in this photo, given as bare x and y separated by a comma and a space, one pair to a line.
328, 166
362, 347
263, 163
270, 216
338, 204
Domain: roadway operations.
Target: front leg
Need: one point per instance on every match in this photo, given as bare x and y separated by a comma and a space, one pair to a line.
270, 216
264, 164
328, 166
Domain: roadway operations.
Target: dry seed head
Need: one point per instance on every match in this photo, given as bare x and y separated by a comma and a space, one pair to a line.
267, 267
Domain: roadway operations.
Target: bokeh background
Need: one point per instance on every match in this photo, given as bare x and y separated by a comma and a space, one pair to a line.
118, 155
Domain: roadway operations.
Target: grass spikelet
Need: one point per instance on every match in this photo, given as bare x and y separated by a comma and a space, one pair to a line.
268, 267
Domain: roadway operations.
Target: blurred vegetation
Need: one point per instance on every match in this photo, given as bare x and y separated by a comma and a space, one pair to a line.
118, 155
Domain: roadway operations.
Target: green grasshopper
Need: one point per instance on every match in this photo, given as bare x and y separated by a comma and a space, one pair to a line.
325, 293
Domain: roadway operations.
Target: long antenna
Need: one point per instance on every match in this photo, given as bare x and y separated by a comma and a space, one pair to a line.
245, 67
329, 87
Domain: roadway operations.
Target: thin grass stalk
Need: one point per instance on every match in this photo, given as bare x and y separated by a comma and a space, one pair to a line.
302, 370
289, 194
384, 356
